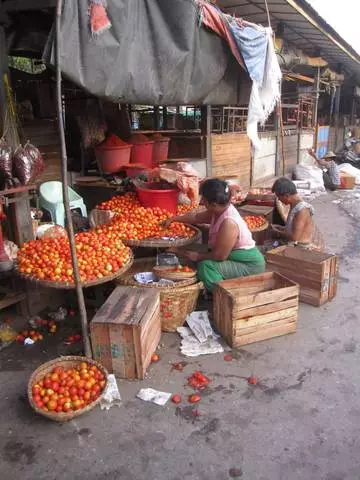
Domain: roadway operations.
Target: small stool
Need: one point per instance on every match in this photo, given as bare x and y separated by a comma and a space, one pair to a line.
51, 200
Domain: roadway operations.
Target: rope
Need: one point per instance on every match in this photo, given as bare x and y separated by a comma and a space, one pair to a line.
268, 12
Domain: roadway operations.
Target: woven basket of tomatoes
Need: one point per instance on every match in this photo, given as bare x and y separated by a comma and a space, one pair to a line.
67, 387
102, 257
256, 223
174, 273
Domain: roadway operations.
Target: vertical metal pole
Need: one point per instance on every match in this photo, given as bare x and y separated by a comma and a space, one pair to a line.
69, 224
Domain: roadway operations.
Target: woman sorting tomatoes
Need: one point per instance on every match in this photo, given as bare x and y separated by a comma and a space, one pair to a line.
232, 251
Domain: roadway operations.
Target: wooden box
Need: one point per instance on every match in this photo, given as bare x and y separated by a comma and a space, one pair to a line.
126, 331
347, 182
315, 272
255, 308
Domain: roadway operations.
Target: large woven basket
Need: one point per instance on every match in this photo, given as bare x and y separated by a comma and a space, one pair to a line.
176, 301
65, 362
161, 243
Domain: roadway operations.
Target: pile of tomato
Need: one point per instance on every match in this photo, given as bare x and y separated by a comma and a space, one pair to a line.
65, 390
254, 222
135, 222
100, 253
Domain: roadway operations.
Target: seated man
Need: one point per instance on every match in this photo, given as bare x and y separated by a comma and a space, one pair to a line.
331, 173
299, 228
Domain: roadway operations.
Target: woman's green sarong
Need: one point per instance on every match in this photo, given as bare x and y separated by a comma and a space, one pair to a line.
240, 263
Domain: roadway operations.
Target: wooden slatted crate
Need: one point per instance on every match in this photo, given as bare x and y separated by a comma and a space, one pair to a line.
126, 331
255, 308
315, 272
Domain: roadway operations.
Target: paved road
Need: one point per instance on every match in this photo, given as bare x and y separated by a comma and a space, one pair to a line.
302, 422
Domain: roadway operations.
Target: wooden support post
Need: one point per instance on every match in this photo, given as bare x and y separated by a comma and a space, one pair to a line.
316, 106
3, 69
69, 223
156, 118
337, 114
206, 137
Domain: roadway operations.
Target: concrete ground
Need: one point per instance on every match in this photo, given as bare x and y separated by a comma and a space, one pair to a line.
302, 421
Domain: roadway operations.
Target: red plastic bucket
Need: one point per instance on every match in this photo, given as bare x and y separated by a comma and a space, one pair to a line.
161, 149
111, 160
165, 199
112, 154
132, 170
142, 149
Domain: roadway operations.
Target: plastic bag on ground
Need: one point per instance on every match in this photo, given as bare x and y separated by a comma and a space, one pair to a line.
312, 174
7, 335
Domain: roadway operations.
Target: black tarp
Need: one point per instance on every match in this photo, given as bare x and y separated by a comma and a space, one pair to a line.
155, 53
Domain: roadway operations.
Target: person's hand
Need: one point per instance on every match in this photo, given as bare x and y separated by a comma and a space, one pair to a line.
193, 256
311, 152
278, 228
166, 223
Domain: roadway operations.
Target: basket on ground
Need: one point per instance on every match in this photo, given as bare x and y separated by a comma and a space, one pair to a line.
170, 273
176, 301
67, 363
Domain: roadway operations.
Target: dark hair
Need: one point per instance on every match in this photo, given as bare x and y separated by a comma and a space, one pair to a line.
284, 186
216, 191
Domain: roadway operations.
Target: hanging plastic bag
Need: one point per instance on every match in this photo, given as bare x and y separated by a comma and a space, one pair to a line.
5, 158
28, 163
37, 161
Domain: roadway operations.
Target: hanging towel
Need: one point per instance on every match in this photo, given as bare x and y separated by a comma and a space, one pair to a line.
215, 20
264, 95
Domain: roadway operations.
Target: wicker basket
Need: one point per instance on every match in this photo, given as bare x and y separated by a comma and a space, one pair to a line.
176, 301
169, 273
65, 362
70, 286
161, 243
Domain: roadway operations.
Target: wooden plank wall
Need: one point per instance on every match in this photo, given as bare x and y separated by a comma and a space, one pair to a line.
290, 151
44, 135
265, 157
306, 142
231, 156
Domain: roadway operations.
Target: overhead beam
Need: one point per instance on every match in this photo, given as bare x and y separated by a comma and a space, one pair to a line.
322, 30
26, 5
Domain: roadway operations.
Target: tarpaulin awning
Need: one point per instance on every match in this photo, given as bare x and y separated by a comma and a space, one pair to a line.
154, 53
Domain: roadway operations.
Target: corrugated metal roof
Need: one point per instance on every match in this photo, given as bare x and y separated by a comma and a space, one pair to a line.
303, 27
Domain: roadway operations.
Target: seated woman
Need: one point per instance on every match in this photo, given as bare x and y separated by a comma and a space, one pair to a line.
299, 229
232, 249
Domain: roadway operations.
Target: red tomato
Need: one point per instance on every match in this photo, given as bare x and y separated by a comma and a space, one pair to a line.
194, 398
176, 399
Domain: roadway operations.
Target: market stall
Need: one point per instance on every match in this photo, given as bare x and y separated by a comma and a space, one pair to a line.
144, 189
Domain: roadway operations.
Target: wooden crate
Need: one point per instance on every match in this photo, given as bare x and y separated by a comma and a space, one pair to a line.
315, 272
126, 331
255, 308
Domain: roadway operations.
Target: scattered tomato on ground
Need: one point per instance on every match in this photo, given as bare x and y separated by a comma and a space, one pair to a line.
198, 381
176, 399
155, 358
252, 380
